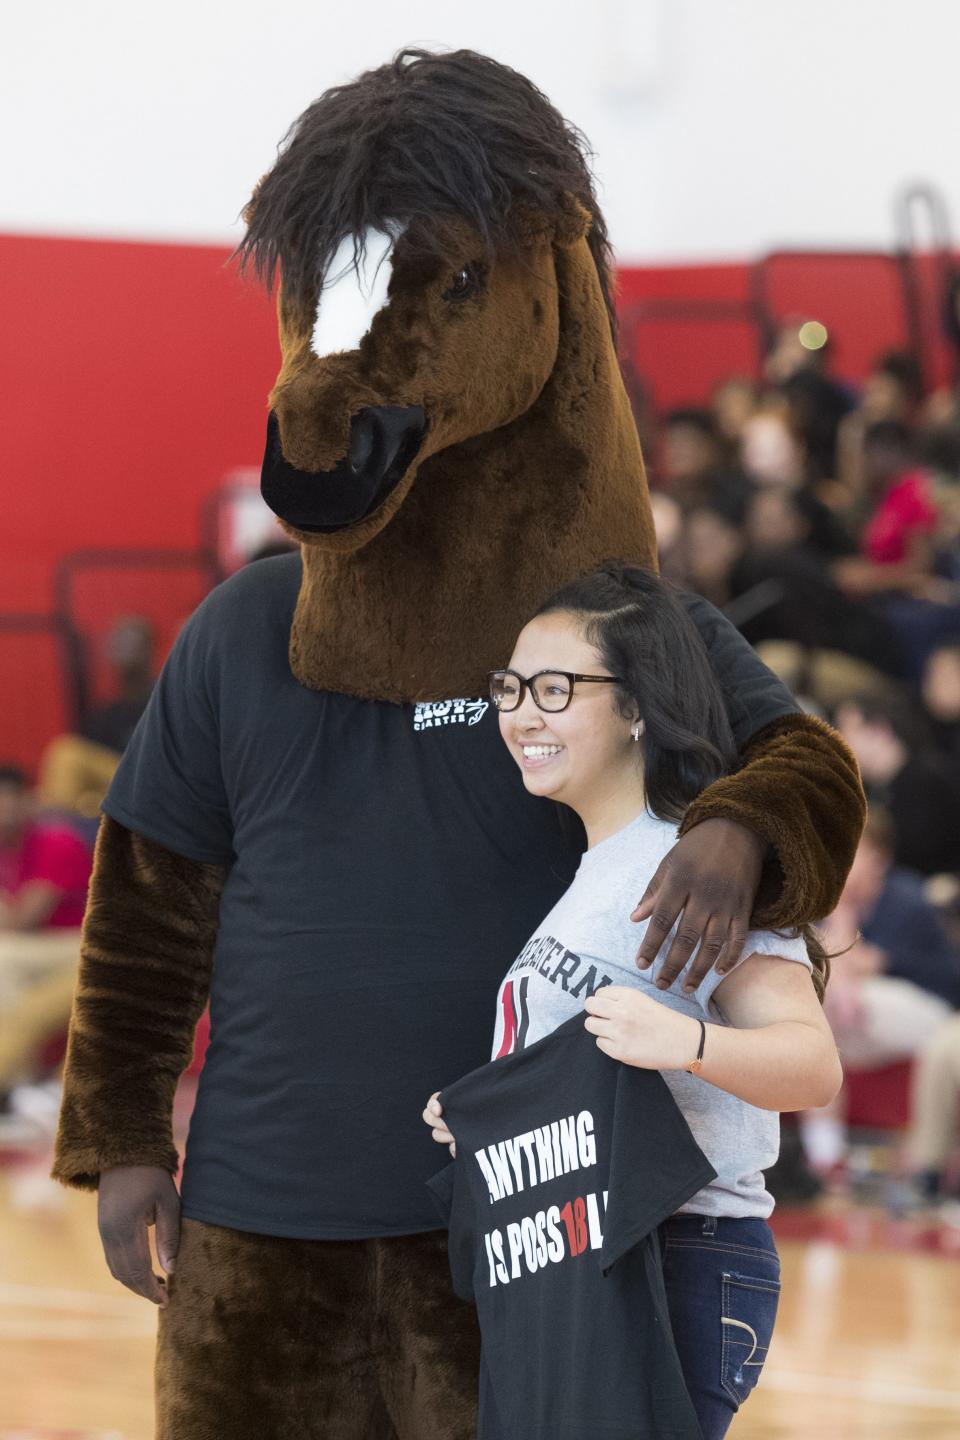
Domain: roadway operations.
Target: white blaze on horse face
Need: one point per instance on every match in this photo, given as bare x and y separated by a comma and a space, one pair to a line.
352, 296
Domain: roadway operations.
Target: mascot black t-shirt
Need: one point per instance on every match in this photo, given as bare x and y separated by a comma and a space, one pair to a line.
566, 1163
386, 864
385, 867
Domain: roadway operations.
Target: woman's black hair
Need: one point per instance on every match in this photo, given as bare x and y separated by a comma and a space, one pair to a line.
645, 637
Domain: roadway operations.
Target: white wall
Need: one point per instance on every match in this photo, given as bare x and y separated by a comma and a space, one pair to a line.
721, 127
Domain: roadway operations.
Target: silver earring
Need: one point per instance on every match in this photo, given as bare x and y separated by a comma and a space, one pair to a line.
637, 731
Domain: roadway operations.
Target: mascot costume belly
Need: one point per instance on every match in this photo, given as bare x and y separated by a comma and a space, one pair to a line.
317, 828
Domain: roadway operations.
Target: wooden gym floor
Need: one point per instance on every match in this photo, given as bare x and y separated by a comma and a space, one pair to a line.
867, 1343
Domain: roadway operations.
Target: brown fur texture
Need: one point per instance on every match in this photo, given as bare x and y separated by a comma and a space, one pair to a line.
799, 787
335, 1339
146, 960
530, 472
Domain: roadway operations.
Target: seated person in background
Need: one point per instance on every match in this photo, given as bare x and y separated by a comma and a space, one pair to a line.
782, 519
781, 586
76, 770
943, 406
771, 447
130, 653
942, 456
797, 363
751, 550
817, 408
940, 688
935, 1111
903, 771
669, 527
897, 552
690, 452
44, 865
713, 537
938, 451
900, 563
903, 936
892, 391
895, 975
44, 870
733, 403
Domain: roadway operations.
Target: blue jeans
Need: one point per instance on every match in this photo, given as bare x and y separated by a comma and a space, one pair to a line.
722, 1279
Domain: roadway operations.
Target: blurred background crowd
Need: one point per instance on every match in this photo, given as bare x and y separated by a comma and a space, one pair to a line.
824, 519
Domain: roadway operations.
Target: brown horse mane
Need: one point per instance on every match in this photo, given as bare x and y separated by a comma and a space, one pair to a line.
421, 141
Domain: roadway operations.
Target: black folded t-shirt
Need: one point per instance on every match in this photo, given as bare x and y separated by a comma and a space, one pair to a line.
567, 1161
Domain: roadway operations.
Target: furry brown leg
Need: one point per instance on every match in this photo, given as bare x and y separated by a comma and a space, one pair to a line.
144, 977
430, 1360
266, 1338
799, 787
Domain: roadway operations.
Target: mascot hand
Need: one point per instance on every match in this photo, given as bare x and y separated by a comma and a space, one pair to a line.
433, 1116
133, 1197
708, 882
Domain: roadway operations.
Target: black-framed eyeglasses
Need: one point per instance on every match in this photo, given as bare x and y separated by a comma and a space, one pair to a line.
552, 690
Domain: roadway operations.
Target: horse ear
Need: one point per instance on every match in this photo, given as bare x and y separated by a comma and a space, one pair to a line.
248, 210
564, 226
573, 222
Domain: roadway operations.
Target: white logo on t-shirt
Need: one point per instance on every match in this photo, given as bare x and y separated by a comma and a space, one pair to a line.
431, 713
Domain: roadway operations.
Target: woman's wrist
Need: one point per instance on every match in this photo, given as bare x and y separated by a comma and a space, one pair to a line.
690, 1035
696, 1064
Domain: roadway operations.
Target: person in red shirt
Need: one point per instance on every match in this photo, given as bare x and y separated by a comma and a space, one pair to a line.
896, 544
44, 865
902, 550
44, 870
906, 511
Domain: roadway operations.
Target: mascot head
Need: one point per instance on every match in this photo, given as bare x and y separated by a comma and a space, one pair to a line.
448, 436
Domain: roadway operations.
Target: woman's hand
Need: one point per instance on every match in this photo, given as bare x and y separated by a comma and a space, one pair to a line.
632, 1027
433, 1116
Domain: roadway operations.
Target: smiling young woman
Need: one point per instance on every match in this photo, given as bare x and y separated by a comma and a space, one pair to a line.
609, 705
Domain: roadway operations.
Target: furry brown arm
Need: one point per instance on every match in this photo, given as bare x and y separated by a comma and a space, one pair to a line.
799, 788
146, 960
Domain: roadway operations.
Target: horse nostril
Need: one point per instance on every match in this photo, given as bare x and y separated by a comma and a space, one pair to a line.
384, 439
363, 435
379, 434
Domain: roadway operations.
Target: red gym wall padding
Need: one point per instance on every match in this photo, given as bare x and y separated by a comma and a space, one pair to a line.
135, 378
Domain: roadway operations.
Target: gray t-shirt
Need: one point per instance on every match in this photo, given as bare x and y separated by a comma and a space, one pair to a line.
587, 941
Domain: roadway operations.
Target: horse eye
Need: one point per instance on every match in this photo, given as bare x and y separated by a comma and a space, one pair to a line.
463, 285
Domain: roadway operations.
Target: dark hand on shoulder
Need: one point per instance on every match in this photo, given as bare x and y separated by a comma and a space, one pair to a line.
708, 882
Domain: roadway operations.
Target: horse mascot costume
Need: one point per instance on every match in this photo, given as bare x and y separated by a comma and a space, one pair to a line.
317, 827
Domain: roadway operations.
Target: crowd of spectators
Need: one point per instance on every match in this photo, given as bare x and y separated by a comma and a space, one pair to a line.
825, 522
46, 856
45, 863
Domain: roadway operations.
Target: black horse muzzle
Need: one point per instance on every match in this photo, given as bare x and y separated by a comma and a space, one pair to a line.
384, 440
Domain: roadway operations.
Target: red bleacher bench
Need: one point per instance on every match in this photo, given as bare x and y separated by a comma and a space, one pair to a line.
879, 1099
